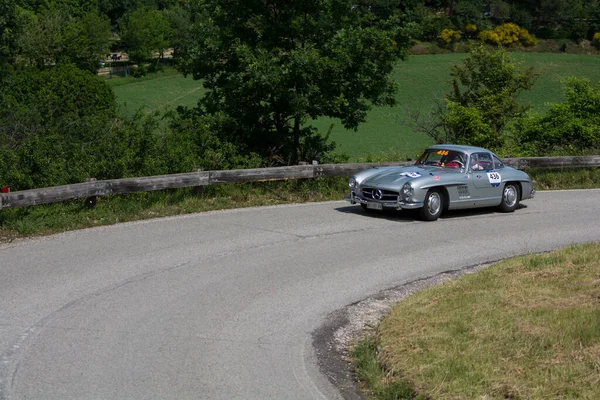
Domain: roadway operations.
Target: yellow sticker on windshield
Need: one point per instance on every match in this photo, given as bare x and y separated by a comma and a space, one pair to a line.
443, 152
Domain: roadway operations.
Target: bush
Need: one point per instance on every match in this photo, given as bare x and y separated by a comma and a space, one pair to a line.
596, 39
139, 71
470, 30
60, 126
449, 36
572, 127
508, 35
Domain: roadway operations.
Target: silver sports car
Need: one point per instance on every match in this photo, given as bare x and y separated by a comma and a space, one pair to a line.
445, 177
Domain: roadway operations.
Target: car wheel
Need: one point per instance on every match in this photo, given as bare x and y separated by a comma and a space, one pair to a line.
433, 205
511, 194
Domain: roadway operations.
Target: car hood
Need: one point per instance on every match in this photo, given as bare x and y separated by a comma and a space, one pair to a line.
397, 176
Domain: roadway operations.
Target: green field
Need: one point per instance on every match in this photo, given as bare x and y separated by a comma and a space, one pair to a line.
421, 80
158, 92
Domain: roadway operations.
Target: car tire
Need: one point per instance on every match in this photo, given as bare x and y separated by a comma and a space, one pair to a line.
511, 194
433, 205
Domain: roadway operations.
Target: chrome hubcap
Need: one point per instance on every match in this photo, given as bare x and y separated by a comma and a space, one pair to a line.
510, 196
434, 203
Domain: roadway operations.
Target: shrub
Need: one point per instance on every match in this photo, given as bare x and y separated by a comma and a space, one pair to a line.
139, 71
572, 127
596, 39
59, 126
449, 36
508, 35
470, 30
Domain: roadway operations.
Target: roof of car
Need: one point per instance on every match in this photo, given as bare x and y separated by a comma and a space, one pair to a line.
458, 147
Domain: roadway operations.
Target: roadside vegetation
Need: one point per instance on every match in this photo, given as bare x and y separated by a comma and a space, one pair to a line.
55, 218
527, 327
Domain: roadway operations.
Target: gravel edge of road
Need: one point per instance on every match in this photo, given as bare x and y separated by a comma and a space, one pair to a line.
333, 340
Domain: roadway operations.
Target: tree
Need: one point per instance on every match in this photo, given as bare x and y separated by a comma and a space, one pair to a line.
50, 122
54, 36
146, 31
482, 102
272, 66
10, 27
42, 40
87, 40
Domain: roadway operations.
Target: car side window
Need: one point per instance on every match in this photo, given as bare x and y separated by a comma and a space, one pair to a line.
481, 162
497, 163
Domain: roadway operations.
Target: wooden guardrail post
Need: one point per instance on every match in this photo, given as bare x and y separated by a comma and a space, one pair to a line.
90, 202
198, 190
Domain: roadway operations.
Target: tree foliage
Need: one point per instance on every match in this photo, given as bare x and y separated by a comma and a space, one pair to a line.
271, 67
572, 127
48, 119
10, 29
54, 36
482, 101
145, 32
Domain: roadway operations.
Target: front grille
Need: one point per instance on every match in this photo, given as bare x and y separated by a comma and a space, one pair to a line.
373, 194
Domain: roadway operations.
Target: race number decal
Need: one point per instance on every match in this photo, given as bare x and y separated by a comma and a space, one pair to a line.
495, 178
411, 174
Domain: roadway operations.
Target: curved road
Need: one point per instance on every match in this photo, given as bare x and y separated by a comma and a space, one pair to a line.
222, 305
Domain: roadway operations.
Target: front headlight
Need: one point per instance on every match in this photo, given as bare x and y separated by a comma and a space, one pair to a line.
407, 191
352, 183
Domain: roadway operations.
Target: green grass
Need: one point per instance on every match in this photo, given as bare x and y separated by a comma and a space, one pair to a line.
54, 218
156, 92
423, 79
525, 328
387, 132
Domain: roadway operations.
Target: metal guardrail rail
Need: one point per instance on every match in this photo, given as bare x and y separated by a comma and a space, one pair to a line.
202, 178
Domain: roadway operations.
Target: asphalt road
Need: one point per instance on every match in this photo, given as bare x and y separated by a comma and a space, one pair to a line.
222, 305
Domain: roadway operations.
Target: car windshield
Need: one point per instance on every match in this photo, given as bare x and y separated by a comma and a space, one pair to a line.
443, 158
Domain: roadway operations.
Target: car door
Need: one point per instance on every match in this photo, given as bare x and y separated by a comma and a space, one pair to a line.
486, 180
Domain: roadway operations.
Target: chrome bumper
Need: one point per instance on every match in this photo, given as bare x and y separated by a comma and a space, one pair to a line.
398, 205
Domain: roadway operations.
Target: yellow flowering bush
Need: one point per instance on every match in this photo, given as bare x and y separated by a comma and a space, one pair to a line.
508, 34
449, 36
471, 28
596, 38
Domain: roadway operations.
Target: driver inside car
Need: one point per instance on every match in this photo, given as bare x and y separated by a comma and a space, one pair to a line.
458, 160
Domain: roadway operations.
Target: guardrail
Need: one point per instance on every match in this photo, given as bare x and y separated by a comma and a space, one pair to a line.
202, 178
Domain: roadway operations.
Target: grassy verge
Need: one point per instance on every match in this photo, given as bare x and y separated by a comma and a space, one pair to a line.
528, 327
565, 178
60, 217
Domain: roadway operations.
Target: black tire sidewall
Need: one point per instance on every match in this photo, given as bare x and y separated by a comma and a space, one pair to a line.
425, 214
503, 206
